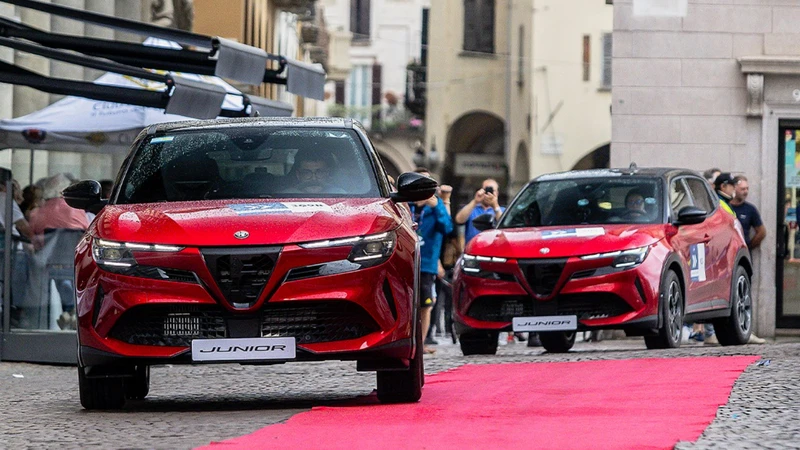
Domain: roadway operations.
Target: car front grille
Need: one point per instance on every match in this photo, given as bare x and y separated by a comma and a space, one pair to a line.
307, 322
503, 308
542, 275
240, 272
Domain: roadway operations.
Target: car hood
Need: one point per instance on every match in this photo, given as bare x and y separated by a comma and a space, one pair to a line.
562, 242
268, 222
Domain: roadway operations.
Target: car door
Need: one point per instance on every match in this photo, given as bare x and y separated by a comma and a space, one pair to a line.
717, 226
691, 242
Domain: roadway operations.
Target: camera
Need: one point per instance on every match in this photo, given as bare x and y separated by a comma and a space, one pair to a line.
489, 189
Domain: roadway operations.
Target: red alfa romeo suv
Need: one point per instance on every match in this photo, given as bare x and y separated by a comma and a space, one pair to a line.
643, 250
255, 241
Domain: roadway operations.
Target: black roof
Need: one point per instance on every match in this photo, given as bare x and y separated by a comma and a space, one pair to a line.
644, 172
301, 122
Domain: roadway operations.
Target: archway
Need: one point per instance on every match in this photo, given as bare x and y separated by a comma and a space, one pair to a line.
474, 152
390, 166
598, 158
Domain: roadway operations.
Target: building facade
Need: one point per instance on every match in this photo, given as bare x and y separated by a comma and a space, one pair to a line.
701, 84
572, 46
479, 114
386, 36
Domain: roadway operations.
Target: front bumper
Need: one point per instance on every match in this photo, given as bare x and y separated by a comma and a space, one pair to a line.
600, 297
359, 314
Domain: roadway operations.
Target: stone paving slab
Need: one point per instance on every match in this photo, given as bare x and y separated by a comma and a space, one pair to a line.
194, 405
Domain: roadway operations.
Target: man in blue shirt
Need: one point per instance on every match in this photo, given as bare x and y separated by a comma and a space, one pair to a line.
747, 214
433, 224
485, 201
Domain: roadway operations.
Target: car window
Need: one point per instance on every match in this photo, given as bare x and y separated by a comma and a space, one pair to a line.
586, 201
678, 196
700, 195
249, 162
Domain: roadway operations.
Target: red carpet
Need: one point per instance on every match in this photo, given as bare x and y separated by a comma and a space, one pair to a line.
636, 404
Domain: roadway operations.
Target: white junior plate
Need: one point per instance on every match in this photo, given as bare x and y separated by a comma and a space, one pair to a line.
243, 349
545, 323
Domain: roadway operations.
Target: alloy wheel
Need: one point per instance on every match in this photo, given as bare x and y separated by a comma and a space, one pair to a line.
744, 304
675, 303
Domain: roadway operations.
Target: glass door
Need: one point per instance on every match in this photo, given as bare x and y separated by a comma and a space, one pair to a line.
788, 252
37, 294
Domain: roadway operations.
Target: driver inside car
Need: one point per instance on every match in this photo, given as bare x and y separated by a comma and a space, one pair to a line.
313, 174
634, 205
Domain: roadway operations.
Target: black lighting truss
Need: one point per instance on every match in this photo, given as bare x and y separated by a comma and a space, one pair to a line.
220, 57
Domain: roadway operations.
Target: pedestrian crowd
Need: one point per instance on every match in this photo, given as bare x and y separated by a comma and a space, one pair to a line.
44, 234
445, 232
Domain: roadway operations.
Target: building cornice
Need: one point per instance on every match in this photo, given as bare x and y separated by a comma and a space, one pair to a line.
756, 67
770, 65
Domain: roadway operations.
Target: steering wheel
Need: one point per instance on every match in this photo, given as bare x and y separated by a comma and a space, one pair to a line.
634, 214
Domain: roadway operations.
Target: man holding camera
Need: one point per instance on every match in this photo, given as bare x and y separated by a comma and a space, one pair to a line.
485, 201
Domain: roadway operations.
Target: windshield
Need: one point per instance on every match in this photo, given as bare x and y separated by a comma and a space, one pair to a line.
249, 162
586, 201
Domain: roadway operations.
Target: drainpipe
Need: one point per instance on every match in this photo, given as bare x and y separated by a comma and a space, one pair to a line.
509, 75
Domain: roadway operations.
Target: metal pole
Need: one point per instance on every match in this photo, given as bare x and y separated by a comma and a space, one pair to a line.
30, 175
509, 69
7, 252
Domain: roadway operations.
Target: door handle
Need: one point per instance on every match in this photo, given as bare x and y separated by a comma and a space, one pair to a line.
414, 226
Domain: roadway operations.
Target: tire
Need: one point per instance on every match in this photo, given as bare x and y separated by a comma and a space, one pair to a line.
479, 343
404, 386
671, 304
101, 393
557, 341
137, 387
736, 328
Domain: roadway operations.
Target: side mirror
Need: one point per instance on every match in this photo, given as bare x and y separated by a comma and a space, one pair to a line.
689, 215
414, 187
484, 222
85, 195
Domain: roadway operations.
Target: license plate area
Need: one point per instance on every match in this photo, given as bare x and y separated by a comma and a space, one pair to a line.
545, 323
244, 349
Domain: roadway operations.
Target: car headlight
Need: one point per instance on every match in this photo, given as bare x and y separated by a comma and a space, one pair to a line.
623, 259
367, 251
118, 256
471, 265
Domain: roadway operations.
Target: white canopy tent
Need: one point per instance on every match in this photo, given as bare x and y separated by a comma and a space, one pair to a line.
78, 124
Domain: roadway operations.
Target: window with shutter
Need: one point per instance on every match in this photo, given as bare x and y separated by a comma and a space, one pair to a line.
360, 19
479, 26
607, 46
587, 57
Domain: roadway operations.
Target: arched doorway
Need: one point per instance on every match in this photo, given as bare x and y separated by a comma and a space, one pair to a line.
521, 170
475, 151
598, 158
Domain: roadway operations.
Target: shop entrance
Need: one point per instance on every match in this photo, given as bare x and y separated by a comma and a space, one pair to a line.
788, 254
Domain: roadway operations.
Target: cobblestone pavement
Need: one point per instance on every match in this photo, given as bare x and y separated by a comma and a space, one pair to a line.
193, 405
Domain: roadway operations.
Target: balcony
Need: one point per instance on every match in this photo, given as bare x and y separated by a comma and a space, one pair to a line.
305, 9
416, 89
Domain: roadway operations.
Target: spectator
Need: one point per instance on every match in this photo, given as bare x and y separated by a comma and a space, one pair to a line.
750, 219
484, 201
31, 199
711, 174
433, 224
55, 213
723, 184
21, 226
747, 214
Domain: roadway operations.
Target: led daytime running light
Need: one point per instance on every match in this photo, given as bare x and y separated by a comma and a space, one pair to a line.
633, 251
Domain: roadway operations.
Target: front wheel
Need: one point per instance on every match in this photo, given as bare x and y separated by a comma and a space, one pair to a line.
671, 304
557, 341
478, 343
106, 392
137, 387
736, 328
404, 386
